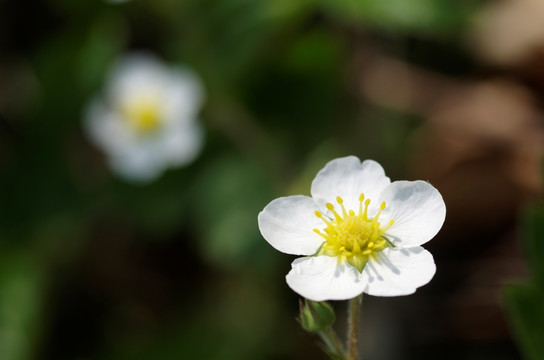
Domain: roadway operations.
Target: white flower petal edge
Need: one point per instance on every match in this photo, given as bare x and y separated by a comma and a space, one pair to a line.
183, 143
398, 272
138, 167
418, 210
347, 177
287, 224
322, 278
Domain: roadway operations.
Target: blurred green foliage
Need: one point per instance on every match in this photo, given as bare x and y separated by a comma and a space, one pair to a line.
525, 301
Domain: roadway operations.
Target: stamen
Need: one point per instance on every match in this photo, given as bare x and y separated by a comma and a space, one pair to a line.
331, 208
388, 225
321, 234
382, 206
350, 236
341, 202
324, 219
367, 202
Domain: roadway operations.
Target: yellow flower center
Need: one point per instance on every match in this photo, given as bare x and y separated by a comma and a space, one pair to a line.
143, 116
353, 237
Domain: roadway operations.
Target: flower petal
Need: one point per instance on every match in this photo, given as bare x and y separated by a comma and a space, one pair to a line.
418, 210
347, 177
396, 272
183, 95
137, 75
321, 278
287, 224
105, 128
139, 166
181, 144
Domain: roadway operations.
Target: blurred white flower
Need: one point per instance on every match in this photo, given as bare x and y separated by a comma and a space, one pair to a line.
368, 242
146, 119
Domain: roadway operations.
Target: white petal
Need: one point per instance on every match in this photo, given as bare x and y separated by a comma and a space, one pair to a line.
321, 278
348, 178
183, 95
418, 210
287, 224
181, 144
135, 76
396, 272
105, 128
139, 164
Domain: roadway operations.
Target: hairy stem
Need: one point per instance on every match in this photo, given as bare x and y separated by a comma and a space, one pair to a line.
353, 326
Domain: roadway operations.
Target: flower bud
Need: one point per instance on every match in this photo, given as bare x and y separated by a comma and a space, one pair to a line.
315, 316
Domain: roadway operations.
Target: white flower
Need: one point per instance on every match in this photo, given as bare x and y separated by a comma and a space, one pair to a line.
146, 118
368, 241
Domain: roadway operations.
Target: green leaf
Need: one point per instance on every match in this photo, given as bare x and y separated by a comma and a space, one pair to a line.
533, 241
525, 307
423, 16
20, 305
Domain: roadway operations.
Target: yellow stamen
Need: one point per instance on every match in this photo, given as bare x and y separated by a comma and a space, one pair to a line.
341, 202
365, 212
353, 237
331, 208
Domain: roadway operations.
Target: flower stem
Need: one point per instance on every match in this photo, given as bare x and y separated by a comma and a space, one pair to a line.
333, 346
353, 326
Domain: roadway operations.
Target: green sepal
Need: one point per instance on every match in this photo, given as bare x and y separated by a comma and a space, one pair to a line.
389, 243
316, 316
320, 250
358, 262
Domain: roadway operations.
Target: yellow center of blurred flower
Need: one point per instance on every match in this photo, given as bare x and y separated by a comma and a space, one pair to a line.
353, 237
143, 116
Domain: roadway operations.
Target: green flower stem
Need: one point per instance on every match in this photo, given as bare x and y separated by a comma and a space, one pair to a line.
353, 326
334, 347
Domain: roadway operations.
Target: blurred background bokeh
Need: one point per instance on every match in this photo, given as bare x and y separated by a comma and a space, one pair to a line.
94, 267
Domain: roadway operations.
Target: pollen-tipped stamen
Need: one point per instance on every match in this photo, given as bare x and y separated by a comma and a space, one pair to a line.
353, 237
365, 212
341, 203
375, 220
321, 234
331, 208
